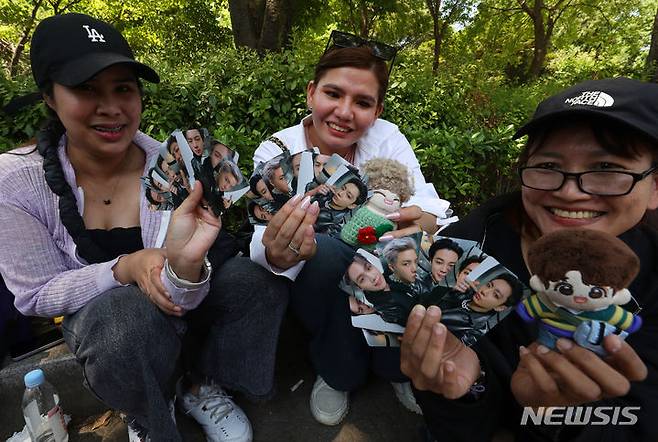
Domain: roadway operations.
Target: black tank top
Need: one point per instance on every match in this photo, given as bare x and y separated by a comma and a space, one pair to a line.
116, 241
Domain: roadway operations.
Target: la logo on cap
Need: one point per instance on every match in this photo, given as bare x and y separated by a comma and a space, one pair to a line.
591, 98
94, 35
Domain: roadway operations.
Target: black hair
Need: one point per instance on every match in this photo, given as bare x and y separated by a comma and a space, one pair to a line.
470, 260
253, 182
517, 289
445, 243
363, 190
48, 139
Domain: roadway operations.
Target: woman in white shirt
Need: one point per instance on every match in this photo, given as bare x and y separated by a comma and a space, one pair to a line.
345, 99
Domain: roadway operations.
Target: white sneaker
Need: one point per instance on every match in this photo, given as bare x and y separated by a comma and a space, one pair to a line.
406, 396
222, 420
328, 406
134, 434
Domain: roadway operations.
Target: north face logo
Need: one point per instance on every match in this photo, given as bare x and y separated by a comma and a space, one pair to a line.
94, 35
591, 98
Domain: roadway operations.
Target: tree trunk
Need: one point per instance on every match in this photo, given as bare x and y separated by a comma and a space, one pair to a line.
652, 57
276, 25
434, 7
18, 50
541, 40
260, 24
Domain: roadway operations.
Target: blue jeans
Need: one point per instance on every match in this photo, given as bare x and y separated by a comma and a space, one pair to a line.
132, 353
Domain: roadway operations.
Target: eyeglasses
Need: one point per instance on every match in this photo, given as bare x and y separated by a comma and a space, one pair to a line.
345, 40
592, 182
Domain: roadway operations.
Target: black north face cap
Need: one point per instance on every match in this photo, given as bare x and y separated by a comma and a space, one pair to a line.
69, 49
630, 102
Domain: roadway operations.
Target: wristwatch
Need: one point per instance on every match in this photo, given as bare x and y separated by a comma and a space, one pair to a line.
206, 270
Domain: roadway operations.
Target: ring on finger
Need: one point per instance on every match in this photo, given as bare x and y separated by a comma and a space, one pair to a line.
293, 248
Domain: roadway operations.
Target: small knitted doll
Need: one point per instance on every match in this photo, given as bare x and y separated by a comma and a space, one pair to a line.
391, 186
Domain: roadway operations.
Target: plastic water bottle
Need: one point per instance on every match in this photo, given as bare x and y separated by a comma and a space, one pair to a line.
43, 415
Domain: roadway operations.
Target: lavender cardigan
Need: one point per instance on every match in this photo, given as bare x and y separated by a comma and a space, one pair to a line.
38, 258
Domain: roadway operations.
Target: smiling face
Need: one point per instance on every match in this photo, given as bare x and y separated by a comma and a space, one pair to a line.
575, 149
405, 266
344, 104
385, 201
101, 115
346, 197
366, 276
442, 262
492, 296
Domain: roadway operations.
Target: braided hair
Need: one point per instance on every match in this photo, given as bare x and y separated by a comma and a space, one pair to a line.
47, 141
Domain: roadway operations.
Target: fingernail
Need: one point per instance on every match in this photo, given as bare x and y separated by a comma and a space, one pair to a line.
295, 199
439, 329
315, 208
393, 216
385, 238
418, 310
615, 344
449, 367
523, 351
433, 310
564, 344
542, 349
305, 203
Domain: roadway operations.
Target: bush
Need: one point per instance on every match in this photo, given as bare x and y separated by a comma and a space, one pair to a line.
459, 126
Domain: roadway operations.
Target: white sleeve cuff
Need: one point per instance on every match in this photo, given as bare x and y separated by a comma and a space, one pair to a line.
436, 206
257, 254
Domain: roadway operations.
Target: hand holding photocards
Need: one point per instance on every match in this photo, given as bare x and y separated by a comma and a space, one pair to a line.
193, 155
473, 290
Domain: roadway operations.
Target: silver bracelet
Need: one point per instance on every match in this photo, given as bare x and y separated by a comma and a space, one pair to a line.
184, 283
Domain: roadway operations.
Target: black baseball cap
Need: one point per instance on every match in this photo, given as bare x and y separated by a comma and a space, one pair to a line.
630, 102
69, 49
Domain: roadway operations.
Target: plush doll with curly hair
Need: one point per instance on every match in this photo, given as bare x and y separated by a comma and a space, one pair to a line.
391, 185
580, 276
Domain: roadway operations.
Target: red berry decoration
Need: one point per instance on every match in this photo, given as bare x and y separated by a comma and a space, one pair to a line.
366, 235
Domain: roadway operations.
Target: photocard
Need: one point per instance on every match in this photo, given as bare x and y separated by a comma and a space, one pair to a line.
492, 293
381, 339
277, 175
186, 157
302, 166
348, 192
198, 139
219, 151
260, 212
330, 167
446, 257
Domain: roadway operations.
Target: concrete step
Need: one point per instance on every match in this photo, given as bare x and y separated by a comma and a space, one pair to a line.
375, 414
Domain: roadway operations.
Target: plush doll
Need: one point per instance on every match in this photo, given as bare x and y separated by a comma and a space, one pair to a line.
391, 185
580, 278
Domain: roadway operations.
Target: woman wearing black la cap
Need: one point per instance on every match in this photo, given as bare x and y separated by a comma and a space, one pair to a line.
597, 130
77, 239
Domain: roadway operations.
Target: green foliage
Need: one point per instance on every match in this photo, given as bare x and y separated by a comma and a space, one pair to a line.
460, 121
